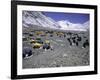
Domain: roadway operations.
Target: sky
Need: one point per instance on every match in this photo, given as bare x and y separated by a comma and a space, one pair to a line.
72, 17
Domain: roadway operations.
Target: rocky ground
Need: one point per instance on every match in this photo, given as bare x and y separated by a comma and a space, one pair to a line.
63, 54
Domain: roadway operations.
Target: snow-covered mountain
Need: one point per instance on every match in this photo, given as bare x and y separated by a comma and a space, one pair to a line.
66, 25
34, 18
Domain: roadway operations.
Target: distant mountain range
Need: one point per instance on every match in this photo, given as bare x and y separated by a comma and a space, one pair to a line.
66, 25
34, 18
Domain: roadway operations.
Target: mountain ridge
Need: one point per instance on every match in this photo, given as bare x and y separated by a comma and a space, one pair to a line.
31, 18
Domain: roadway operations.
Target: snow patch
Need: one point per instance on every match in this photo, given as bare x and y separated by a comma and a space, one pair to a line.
66, 25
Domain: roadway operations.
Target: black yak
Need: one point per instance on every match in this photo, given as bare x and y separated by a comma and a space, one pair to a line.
85, 44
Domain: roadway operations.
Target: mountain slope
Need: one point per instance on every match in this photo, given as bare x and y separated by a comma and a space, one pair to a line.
36, 18
31, 18
66, 25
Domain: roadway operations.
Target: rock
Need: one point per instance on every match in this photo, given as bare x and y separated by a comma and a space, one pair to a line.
65, 55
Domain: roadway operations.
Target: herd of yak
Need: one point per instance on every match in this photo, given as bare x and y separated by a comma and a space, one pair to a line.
38, 43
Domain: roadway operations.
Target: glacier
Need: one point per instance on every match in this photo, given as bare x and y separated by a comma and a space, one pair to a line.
66, 25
